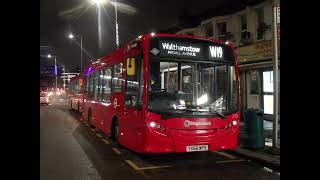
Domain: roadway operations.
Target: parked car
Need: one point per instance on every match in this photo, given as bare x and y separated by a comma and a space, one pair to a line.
44, 98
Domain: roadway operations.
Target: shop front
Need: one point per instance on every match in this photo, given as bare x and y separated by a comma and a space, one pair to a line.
256, 74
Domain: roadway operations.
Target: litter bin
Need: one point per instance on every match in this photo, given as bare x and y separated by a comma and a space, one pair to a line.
254, 128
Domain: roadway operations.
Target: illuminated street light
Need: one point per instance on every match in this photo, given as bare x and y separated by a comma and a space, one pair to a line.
71, 36
55, 68
99, 2
152, 34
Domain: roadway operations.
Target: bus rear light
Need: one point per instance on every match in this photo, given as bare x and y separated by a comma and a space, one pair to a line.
234, 122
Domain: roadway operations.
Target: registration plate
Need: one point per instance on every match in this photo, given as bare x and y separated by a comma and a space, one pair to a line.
197, 148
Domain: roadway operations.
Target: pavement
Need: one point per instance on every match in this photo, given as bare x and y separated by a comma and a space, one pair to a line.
267, 155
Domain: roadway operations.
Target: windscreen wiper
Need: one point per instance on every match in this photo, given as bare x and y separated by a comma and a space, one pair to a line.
210, 109
221, 115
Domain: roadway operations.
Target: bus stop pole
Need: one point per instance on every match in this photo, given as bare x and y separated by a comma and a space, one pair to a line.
275, 80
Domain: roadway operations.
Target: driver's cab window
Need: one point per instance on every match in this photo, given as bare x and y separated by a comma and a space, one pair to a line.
164, 76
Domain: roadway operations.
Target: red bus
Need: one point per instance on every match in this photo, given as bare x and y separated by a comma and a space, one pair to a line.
166, 93
75, 92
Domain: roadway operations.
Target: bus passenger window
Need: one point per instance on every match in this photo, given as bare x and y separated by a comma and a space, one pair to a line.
91, 90
96, 86
117, 78
106, 85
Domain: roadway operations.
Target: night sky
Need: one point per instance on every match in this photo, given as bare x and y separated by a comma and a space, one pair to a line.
152, 15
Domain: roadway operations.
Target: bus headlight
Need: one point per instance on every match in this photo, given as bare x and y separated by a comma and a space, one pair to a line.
152, 124
159, 128
234, 122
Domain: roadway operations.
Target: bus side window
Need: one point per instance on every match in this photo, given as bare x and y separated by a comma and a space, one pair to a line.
84, 86
106, 85
91, 90
96, 86
117, 78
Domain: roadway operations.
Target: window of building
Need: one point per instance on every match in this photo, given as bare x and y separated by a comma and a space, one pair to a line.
254, 84
117, 78
222, 30
260, 22
208, 28
268, 92
243, 21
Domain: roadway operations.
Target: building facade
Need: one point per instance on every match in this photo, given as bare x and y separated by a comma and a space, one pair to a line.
251, 30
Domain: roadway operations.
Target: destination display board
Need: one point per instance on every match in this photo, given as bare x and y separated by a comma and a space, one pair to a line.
190, 49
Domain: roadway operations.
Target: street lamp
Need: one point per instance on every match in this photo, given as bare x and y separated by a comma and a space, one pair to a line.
98, 3
55, 68
71, 36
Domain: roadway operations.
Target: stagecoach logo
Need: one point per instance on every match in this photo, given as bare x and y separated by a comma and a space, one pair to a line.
188, 123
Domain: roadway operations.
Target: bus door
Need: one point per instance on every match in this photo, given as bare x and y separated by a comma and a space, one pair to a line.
132, 110
117, 93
